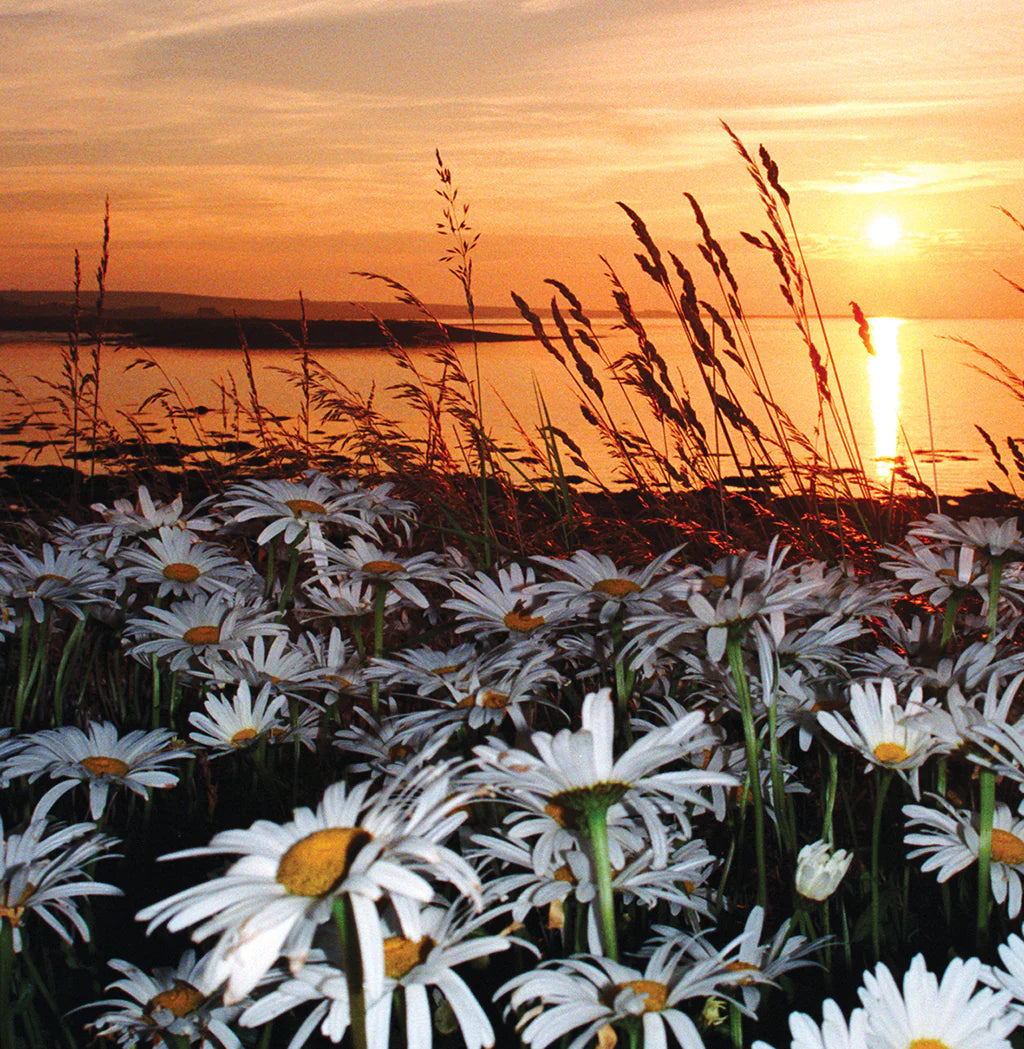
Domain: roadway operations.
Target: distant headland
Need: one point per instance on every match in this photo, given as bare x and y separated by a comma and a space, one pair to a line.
208, 322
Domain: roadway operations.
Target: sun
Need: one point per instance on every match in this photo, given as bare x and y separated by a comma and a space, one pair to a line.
884, 231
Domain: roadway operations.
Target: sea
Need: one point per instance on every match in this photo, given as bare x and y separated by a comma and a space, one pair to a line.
916, 401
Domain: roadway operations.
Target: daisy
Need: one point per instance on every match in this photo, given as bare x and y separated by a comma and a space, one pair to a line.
44, 869
883, 730
1011, 977
99, 758
574, 770
165, 1007
178, 564
146, 517
950, 841
285, 665
293, 510
834, 1032
952, 1013
596, 586
418, 958
364, 844
507, 605
233, 724
205, 628
751, 962
995, 536
585, 994
365, 562
343, 599
819, 870
64, 579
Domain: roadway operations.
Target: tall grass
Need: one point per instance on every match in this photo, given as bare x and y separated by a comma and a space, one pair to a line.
725, 462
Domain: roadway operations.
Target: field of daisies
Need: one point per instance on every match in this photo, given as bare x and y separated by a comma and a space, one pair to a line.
277, 771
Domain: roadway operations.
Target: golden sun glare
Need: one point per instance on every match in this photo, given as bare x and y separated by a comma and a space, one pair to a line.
884, 231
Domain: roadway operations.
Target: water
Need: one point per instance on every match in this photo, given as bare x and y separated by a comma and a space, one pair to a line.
917, 400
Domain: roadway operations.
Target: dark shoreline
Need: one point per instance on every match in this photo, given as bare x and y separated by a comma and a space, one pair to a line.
258, 333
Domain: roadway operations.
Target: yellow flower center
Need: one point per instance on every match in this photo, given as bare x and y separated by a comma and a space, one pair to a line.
715, 582
564, 873
382, 567
1007, 847
401, 956
202, 635
181, 572
890, 753
739, 967
181, 999
243, 736
615, 587
316, 863
927, 1043
441, 671
561, 814
51, 575
398, 752
102, 766
485, 698
299, 507
655, 993
14, 912
520, 622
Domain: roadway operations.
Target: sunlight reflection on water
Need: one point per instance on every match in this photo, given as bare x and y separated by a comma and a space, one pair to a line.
884, 369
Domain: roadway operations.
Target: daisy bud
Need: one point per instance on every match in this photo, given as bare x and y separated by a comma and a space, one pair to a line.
819, 871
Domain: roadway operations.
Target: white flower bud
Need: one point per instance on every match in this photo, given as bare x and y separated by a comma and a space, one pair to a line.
819, 871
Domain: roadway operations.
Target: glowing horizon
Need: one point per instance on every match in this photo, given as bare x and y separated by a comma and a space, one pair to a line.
262, 148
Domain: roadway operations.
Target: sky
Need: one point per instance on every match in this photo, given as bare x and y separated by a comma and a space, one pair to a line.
264, 147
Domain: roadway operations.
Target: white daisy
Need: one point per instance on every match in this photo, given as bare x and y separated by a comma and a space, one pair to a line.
177, 563
98, 757
949, 839
203, 628
834, 1032
165, 1006
883, 729
419, 958
146, 517
365, 843
953, 1013
294, 510
233, 724
67, 579
571, 767
507, 605
596, 586
1011, 977
44, 869
586, 993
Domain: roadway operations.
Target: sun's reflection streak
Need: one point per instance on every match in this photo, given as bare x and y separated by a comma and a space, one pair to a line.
884, 381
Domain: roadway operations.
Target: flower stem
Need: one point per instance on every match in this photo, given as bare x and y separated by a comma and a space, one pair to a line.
597, 827
345, 923
994, 579
987, 784
739, 676
876, 834
6, 983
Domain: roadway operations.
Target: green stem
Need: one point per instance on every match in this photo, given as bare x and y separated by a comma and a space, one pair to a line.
952, 607
345, 923
597, 827
293, 568
994, 579
736, 1025
830, 796
6, 983
987, 784
876, 834
71, 647
380, 594
739, 675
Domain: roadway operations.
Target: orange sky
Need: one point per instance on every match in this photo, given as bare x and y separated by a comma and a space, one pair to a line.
259, 147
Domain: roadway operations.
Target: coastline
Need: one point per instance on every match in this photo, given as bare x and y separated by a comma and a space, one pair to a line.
257, 333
